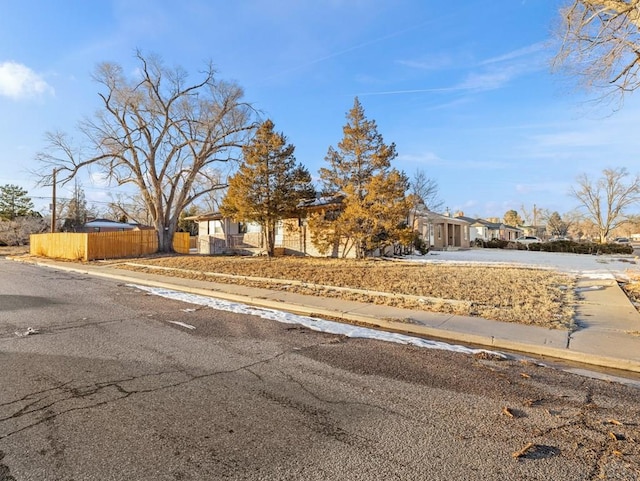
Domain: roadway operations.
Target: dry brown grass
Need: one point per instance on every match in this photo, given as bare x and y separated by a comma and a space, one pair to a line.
523, 295
632, 290
13, 250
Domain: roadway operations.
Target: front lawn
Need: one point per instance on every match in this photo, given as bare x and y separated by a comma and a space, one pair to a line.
524, 295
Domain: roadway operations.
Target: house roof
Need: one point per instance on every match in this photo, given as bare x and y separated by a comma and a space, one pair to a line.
470, 220
322, 201
207, 216
441, 217
106, 223
489, 225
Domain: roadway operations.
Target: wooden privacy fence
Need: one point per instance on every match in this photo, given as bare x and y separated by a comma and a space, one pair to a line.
102, 245
182, 242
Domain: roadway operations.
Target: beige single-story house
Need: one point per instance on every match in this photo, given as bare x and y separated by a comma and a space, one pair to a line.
441, 231
221, 235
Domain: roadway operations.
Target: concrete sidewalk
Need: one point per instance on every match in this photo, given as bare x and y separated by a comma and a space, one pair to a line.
608, 333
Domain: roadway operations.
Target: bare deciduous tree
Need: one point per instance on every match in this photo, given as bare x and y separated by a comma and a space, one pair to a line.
535, 217
212, 200
425, 189
159, 133
607, 198
600, 45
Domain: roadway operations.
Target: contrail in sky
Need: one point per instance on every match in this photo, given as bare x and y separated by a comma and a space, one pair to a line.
350, 49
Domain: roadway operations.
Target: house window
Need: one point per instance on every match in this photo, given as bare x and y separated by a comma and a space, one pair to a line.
242, 228
217, 227
465, 230
439, 231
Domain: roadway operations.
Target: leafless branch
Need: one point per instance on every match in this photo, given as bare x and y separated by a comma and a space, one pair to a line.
157, 132
599, 46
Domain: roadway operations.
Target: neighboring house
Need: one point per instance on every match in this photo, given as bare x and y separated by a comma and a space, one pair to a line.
441, 231
485, 230
503, 231
105, 225
479, 229
221, 235
509, 232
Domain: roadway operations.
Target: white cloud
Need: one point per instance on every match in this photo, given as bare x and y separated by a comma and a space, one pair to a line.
502, 69
584, 138
536, 48
423, 158
18, 81
434, 62
488, 80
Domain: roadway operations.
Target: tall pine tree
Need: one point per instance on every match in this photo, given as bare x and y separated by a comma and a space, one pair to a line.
14, 202
269, 185
375, 206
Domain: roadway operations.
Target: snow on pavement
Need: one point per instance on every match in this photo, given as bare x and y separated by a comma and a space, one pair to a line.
313, 323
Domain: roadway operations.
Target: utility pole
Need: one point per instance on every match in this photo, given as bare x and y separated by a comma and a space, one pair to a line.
53, 203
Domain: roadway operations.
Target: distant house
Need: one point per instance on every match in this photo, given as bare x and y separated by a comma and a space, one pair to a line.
441, 231
105, 225
486, 230
479, 229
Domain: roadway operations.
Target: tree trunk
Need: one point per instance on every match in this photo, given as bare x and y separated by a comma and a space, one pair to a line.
165, 239
270, 237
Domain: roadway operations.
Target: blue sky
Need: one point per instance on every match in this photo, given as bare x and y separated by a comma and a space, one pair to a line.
464, 91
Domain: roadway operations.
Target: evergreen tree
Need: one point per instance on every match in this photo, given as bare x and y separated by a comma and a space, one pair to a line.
14, 202
189, 226
375, 206
269, 185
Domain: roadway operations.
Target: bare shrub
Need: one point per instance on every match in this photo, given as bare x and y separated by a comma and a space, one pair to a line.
16, 232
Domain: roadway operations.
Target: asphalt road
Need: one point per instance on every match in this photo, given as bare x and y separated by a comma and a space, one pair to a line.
110, 389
